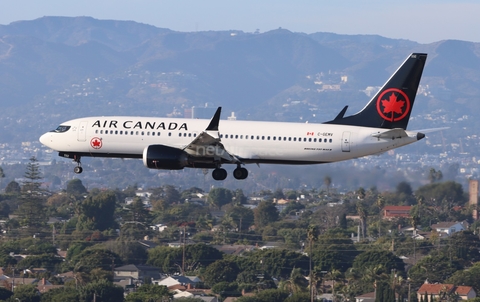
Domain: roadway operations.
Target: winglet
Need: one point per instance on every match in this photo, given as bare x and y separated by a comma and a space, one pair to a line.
341, 114
213, 126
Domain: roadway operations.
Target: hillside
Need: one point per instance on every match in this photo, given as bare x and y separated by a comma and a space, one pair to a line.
56, 68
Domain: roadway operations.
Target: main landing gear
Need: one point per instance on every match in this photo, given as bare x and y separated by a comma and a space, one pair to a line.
78, 169
238, 173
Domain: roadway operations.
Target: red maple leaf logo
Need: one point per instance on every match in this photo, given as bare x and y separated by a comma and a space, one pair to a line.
96, 143
393, 105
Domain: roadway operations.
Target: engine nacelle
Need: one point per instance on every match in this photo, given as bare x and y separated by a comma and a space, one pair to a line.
164, 157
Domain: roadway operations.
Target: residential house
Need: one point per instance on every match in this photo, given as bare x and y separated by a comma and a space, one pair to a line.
178, 280
392, 212
448, 227
437, 290
136, 272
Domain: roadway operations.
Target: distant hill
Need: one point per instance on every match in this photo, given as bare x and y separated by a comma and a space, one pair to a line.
55, 68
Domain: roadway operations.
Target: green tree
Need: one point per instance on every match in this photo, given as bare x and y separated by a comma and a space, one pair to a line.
101, 291
265, 213
76, 188
464, 246
96, 212
371, 258
61, 295
32, 209
137, 211
95, 258
13, 188
296, 283
150, 292
242, 217
468, 277
436, 268
219, 197
220, 270
334, 250
327, 181
26, 293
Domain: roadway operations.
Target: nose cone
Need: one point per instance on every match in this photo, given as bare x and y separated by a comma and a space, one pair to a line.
45, 139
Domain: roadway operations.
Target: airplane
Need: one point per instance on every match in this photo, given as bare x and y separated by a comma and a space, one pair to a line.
175, 144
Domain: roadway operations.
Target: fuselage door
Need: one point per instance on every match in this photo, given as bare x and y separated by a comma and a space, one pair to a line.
82, 132
346, 141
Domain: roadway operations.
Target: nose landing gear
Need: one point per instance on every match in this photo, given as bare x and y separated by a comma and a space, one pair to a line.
78, 169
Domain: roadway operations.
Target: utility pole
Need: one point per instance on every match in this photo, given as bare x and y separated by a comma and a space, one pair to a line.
183, 257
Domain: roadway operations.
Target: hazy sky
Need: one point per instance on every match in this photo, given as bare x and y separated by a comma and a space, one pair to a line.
423, 21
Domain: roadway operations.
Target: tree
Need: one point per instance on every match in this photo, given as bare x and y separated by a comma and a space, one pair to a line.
96, 212
26, 293
101, 291
13, 188
61, 294
242, 217
434, 175
334, 251
265, 213
219, 197
464, 246
95, 258
31, 208
137, 212
312, 236
436, 268
76, 188
220, 270
362, 212
150, 292
327, 181
296, 283
371, 258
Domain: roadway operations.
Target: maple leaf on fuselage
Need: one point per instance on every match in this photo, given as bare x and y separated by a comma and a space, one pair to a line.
393, 105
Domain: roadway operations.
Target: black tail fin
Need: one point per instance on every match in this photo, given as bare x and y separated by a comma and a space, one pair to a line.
391, 106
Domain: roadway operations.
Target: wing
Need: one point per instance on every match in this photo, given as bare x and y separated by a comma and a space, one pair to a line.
208, 144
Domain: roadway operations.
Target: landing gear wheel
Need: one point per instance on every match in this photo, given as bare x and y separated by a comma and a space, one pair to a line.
240, 173
78, 169
219, 174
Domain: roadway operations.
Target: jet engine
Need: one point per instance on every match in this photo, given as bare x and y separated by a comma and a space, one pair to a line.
164, 157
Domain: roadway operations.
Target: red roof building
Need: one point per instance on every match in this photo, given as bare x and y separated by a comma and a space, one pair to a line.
438, 290
391, 212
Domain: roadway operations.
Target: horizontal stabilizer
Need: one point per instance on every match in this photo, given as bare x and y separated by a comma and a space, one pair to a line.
392, 133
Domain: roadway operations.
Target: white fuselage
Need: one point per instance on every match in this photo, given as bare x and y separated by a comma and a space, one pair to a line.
250, 141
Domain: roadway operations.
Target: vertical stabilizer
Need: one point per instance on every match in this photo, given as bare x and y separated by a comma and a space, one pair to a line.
391, 106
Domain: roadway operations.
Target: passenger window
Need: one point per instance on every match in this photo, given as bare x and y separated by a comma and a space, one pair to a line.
116, 131
263, 137
324, 140
101, 131
274, 138
180, 135
268, 137
111, 131
131, 132
289, 139
310, 139
330, 140
169, 133
294, 139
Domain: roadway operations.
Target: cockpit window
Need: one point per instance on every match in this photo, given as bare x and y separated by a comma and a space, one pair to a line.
62, 128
